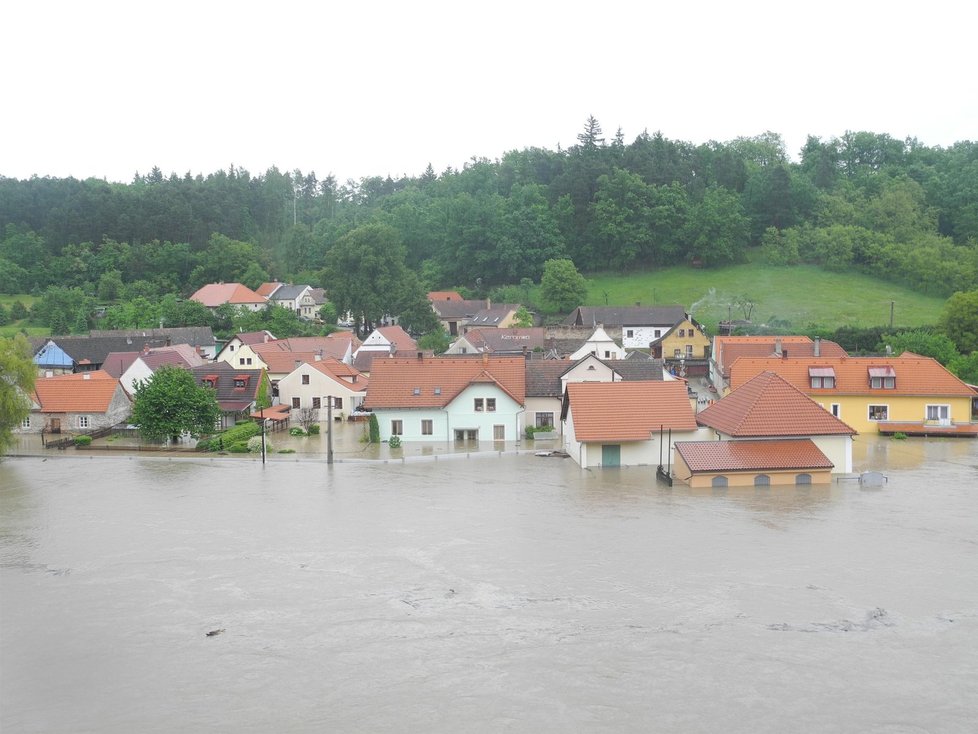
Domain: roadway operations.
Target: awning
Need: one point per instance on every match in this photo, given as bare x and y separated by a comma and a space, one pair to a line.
821, 372
882, 372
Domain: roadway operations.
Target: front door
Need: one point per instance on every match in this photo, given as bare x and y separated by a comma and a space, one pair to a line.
55, 425
611, 454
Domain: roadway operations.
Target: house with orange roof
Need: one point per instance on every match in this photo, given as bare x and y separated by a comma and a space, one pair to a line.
721, 464
281, 356
213, 295
76, 403
728, 349
908, 394
458, 399
229, 352
445, 296
310, 386
768, 407
610, 424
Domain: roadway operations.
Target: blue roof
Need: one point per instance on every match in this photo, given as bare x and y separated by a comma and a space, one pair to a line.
51, 355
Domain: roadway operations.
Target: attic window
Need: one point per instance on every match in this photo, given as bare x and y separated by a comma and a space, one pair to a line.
882, 378
209, 380
821, 377
241, 381
437, 391
417, 391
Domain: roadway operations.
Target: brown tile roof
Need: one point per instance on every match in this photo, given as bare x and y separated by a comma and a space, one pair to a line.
393, 381
400, 338
342, 373
722, 456
335, 345
731, 348
267, 289
278, 361
254, 337
444, 296
543, 377
627, 411
230, 397
118, 362
82, 392
213, 295
915, 375
767, 405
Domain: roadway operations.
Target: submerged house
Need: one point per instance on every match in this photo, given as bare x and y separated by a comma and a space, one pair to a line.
76, 403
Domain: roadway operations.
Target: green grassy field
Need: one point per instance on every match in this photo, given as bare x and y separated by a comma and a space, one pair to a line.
17, 327
803, 296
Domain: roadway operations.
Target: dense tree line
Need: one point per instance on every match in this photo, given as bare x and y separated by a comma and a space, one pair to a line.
897, 209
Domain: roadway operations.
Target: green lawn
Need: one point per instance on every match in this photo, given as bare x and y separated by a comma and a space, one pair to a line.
804, 296
16, 327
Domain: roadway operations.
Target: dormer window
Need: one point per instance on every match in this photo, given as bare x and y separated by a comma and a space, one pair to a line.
437, 391
882, 378
821, 377
417, 391
209, 381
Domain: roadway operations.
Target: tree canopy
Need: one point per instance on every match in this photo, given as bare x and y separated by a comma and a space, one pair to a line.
17, 373
170, 403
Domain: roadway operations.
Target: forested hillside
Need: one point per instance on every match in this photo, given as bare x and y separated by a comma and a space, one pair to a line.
897, 210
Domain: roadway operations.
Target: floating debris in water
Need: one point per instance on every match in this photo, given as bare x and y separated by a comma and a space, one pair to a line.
214, 633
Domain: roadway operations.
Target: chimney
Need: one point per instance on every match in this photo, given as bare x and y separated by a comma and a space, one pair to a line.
168, 341
777, 346
420, 356
488, 303
784, 354
145, 348
485, 358
818, 346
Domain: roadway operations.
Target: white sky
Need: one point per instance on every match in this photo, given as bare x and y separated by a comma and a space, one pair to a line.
359, 89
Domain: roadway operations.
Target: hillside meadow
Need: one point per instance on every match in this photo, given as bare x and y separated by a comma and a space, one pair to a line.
798, 298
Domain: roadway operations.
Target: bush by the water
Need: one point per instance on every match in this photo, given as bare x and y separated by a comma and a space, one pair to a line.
240, 433
297, 431
83, 440
254, 445
394, 442
314, 429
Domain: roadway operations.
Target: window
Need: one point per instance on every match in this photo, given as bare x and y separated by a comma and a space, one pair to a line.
26, 423
427, 427
479, 405
689, 351
338, 403
305, 379
885, 383
248, 360
803, 479
629, 333
317, 403
607, 354
836, 410
397, 428
822, 382
463, 350
879, 412
658, 333
821, 377
231, 348
417, 391
719, 482
437, 391
490, 405
682, 332
940, 413
83, 421
499, 433
545, 420
240, 361
677, 353
296, 403
762, 480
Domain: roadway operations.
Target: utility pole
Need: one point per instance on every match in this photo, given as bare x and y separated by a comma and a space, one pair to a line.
329, 432
892, 304
261, 412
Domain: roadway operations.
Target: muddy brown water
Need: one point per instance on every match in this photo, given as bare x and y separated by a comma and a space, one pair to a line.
484, 593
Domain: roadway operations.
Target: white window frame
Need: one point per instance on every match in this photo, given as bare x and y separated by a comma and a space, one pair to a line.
397, 427
427, 427
548, 417
836, 410
479, 405
84, 421
26, 423
886, 412
944, 408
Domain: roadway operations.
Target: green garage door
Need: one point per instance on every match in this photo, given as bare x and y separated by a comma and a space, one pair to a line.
611, 454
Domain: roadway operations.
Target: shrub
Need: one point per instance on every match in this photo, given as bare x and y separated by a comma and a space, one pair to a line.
286, 451
314, 429
374, 429
530, 430
297, 431
83, 440
254, 445
238, 448
240, 433
899, 436
204, 444
395, 442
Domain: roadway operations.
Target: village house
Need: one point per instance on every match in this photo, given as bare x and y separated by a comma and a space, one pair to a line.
384, 341
231, 351
908, 394
511, 341
600, 345
722, 464
311, 384
448, 398
611, 424
76, 403
236, 390
214, 295
767, 407
146, 363
728, 349
637, 327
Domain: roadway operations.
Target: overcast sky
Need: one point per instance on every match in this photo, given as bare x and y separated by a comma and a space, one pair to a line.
358, 89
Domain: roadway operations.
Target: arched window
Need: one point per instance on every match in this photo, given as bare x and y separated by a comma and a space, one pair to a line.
762, 480
719, 482
803, 479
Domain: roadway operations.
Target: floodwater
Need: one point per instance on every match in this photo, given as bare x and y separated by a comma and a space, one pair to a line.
484, 593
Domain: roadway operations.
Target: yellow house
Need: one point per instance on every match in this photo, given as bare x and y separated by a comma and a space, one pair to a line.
686, 339
907, 394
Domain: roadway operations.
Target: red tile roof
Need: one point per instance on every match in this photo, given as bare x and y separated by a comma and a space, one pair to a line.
719, 456
915, 375
628, 411
82, 392
278, 362
341, 373
728, 349
393, 382
767, 405
213, 295
444, 296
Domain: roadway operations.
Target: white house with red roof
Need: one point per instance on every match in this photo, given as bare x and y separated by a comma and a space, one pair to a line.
213, 295
768, 408
459, 399
310, 385
610, 424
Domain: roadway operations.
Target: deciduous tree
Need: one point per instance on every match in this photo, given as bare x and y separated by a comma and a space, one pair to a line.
170, 403
16, 382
